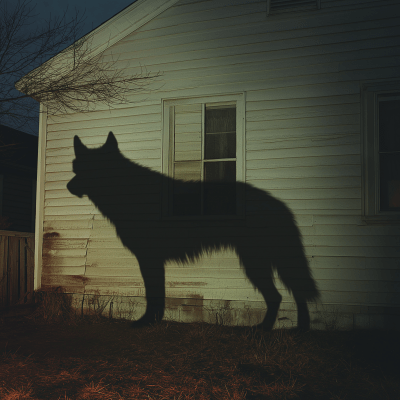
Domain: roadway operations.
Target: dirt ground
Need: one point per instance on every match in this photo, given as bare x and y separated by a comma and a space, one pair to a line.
108, 359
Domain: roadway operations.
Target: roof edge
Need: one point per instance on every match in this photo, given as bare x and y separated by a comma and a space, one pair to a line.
127, 21
115, 29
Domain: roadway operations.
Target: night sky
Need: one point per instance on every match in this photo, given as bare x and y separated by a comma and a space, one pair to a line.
95, 13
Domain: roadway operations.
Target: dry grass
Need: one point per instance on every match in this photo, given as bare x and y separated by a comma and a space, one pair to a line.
97, 358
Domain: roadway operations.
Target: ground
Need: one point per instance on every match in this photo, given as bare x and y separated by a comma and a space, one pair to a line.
98, 358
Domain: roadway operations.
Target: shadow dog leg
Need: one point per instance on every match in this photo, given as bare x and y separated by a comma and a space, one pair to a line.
153, 274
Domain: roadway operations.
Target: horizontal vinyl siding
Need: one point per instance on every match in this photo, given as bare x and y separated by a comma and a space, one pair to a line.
301, 74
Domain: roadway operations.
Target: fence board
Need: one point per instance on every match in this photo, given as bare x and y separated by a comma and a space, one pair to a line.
16, 267
30, 251
22, 267
12, 267
3, 268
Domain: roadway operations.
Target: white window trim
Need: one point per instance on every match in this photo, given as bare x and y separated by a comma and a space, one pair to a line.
370, 154
167, 148
41, 177
33, 213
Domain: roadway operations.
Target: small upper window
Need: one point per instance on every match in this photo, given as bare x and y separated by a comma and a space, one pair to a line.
203, 156
381, 119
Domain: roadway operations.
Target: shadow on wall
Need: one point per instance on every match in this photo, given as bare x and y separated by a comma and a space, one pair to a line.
263, 241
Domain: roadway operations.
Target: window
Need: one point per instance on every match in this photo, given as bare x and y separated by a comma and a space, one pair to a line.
381, 120
203, 153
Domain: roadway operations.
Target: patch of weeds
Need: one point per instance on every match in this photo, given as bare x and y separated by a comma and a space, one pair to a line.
96, 305
221, 316
328, 318
125, 308
53, 306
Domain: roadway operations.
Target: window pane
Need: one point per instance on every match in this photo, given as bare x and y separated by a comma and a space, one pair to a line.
390, 182
187, 188
187, 132
389, 125
220, 133
220, 188
188, 171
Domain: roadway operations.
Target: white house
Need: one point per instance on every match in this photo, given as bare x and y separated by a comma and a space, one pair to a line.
304, 99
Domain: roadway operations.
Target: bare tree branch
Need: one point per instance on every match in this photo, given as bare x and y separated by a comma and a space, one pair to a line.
78, 80
69, 80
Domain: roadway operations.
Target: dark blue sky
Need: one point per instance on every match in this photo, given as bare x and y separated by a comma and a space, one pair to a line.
95, 12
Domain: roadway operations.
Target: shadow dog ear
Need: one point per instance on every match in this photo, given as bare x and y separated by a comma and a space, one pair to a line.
111, 141
79, 147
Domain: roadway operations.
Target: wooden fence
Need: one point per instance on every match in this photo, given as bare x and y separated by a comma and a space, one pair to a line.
16, 267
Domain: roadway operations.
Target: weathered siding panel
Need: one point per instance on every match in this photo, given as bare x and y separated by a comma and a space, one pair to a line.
301, 75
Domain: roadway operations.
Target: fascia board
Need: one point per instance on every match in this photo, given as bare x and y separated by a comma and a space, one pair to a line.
127, 21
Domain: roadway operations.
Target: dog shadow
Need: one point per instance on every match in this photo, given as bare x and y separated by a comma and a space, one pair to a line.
265, 240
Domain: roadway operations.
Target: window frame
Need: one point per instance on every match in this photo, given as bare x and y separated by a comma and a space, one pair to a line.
168, 149
370, 151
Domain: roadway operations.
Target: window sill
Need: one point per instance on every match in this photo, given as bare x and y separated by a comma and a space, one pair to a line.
382, 219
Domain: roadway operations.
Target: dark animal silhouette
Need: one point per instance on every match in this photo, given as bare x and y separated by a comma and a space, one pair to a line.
129, 195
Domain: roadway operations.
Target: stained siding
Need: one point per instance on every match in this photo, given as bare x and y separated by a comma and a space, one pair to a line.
301, 74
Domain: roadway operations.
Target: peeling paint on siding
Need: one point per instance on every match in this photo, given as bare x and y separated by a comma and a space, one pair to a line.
50, 235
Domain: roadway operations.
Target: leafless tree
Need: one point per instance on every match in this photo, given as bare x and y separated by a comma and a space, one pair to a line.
41, 66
